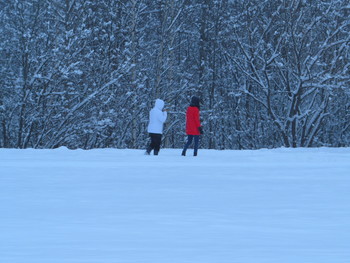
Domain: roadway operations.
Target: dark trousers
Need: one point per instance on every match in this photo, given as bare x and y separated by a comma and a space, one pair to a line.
189, 142
156, 139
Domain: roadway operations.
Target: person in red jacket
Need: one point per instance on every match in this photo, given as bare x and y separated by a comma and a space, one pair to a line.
193, 126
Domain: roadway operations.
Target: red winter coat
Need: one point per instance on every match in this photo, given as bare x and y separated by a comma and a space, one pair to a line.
192, 121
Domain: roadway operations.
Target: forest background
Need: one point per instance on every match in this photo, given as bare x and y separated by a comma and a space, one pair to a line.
84, 74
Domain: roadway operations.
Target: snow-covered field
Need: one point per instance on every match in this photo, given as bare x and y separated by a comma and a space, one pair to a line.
120, 206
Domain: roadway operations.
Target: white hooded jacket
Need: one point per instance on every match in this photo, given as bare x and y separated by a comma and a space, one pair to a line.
157, 117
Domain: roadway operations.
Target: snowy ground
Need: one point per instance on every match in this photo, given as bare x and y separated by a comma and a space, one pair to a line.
120, 206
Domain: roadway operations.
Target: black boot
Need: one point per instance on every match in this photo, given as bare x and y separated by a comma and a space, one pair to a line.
195, 154
148, 150
183, 153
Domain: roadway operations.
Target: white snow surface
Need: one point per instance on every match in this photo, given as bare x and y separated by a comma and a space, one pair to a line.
121, 206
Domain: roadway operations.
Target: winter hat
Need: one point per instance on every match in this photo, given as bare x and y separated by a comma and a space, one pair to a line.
195, 102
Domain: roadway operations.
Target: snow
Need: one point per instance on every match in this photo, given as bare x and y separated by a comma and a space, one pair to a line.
111, 206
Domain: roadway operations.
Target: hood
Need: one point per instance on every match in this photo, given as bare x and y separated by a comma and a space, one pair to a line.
195, 102
159, 104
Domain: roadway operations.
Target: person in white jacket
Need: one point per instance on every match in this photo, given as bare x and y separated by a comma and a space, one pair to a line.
157, 117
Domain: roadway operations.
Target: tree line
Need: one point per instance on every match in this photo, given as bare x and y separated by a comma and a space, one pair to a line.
84, 74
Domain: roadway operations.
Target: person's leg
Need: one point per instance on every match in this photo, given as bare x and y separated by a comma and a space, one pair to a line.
189, 141
196, 143
152, 143
157, 142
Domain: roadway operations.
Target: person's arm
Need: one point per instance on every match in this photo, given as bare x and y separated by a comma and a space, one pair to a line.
162, 116
197, 118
